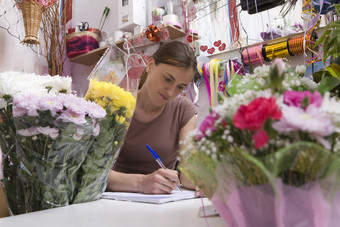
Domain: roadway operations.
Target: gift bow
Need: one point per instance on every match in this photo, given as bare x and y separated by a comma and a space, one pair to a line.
152, 33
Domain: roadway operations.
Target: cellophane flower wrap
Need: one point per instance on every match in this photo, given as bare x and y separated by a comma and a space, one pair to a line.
45, 135
114, 89
53, 136
16, 83
268, 155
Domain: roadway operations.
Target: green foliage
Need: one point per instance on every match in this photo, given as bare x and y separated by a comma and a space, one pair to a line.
276, 80
93, 174
328, 83
330, 39
234, 85
334, 70
200, 169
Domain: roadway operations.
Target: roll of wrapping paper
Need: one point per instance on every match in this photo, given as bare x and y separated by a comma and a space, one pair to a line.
253, 55
276, 50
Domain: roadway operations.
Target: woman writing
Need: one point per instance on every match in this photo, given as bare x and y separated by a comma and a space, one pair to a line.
162, 118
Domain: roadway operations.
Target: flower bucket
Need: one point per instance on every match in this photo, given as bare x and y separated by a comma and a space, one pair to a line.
32, 15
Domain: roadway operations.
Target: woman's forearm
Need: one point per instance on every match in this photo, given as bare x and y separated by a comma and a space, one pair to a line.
124, 182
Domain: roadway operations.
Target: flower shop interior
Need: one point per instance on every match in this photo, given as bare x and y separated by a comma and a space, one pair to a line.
265, 151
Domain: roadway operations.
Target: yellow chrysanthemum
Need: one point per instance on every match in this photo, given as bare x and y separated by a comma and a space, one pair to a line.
108, 94
120, 119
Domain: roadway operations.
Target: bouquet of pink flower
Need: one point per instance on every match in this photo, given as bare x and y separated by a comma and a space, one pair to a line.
268, 156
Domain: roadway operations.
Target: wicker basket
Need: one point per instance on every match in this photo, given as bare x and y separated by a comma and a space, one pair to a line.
32, 14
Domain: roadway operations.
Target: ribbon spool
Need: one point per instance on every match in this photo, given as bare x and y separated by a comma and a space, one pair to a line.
252, 55
296, 44
276, 50
153, 33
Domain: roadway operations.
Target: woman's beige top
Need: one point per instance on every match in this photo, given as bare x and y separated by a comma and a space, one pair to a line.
161, 134
3, 203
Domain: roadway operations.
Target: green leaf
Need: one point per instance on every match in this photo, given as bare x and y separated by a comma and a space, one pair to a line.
319, 75
305, 102
337, 8
322, 38
232, 86
306, 159
334, 70
275, 79
251, 159
250, 65
220, 98
328, 84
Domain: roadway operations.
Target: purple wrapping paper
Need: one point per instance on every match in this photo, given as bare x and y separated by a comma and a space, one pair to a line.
258, 206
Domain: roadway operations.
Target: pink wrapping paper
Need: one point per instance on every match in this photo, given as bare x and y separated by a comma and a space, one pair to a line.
258, 206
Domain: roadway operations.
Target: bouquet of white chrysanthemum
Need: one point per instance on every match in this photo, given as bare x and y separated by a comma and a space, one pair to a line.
16, 83
272, 146
45, 136
53, 136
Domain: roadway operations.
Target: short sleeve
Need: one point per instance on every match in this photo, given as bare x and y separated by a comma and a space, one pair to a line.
186, 111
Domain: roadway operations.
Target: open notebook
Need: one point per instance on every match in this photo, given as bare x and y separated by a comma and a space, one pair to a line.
176, 195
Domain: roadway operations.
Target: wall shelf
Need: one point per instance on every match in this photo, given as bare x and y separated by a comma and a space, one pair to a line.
90, 57
93, 56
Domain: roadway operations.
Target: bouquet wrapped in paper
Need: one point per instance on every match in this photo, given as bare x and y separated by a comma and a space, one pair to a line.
113, 85
268, 155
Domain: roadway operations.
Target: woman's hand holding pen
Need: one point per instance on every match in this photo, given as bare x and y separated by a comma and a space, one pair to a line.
162, 181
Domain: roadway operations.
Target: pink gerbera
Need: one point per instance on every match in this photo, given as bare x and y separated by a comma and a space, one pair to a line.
310, 120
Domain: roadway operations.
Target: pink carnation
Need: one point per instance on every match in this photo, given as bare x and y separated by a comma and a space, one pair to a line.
254, 115
207, 124
294, 98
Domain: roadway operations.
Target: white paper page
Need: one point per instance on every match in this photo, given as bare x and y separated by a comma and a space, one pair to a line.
176, 195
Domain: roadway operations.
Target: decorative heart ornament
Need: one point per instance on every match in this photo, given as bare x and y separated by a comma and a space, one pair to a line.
222, 47
217, 43
211, 50
203, 48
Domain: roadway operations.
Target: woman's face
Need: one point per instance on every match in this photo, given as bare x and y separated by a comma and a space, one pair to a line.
165, 82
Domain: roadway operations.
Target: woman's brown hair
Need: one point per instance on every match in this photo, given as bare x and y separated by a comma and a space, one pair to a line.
173, 53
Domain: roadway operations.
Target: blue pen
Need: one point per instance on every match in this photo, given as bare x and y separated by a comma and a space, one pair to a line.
158, 160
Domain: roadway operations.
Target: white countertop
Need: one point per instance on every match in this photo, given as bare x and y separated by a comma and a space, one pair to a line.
112, 213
